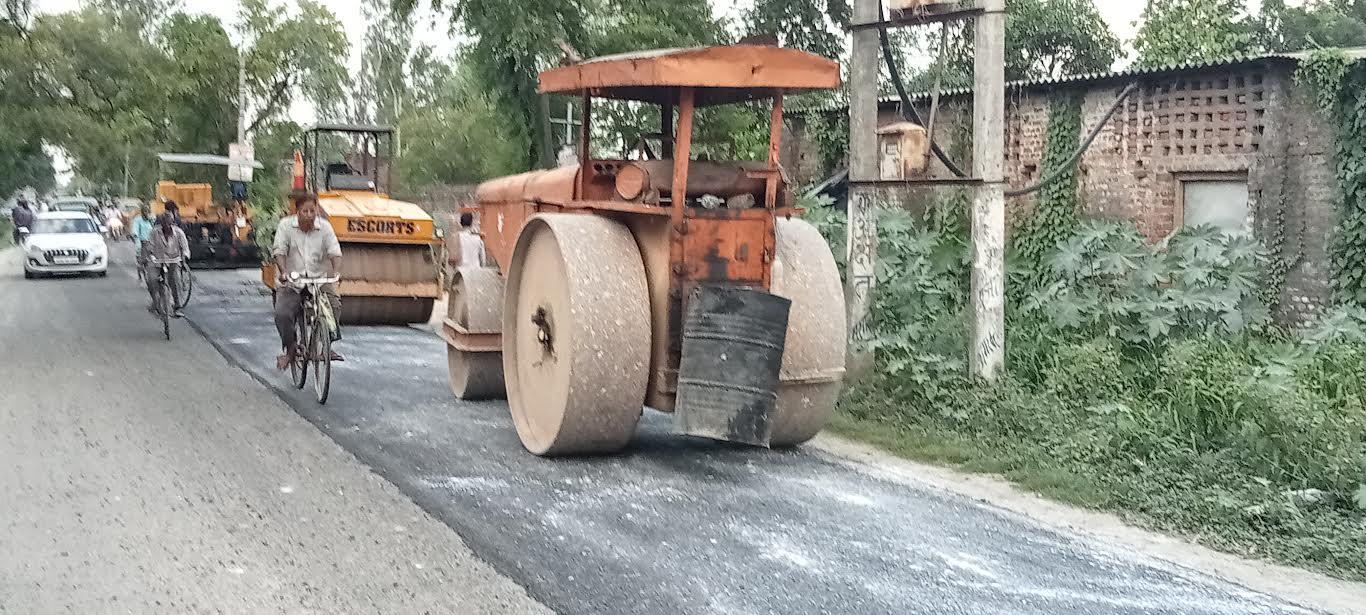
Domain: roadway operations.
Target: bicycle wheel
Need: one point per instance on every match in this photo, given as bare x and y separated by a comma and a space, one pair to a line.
320, 353
298, 368
164, 307
186, 286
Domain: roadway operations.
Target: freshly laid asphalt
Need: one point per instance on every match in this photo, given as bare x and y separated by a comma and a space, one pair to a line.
682, 525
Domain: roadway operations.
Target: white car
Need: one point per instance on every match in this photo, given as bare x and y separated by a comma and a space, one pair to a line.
64, 242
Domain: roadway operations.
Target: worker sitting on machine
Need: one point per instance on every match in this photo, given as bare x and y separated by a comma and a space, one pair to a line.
309, 248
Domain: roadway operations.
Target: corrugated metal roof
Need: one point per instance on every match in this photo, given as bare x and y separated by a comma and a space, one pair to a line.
1354, 53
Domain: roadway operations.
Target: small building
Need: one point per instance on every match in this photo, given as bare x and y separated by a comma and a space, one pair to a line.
1235, 143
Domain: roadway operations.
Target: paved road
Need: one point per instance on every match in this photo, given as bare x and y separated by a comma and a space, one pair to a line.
140, 476
679, 525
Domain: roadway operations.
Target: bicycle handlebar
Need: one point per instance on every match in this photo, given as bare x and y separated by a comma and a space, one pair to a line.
302, 281
172, 261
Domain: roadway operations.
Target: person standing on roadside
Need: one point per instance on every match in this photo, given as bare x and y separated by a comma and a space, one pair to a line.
22, 216
469, 248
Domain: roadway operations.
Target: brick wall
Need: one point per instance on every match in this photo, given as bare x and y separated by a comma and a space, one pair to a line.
1243, 121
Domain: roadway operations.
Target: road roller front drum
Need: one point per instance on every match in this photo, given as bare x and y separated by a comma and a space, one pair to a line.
576, 335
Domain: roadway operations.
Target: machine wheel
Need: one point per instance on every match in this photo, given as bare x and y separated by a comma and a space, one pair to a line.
320, 357
164, 307
476, 303
186, 286
298, 368
813, 360
576, 335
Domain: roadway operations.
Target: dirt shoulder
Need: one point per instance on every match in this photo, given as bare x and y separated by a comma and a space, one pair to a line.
1308, 589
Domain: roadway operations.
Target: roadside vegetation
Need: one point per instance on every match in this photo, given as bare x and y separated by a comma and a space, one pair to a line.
1144, 380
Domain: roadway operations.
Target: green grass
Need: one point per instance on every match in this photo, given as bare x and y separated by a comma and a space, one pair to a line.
963, 452
1214, 475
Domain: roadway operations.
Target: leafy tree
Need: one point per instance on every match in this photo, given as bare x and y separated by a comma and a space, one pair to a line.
1044, 38
458, 138
513, 42
1177, 31
21, 151
142, 17
293, 57
202, 86
99, 93
382, 87
16, 16
810, 25
1052, 38
26, 165
1313, 24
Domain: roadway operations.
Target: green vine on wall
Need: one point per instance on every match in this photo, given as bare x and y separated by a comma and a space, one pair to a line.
1338, 86
1056, 213
829, 130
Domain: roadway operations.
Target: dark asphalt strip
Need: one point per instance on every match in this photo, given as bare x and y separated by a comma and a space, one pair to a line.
681, 525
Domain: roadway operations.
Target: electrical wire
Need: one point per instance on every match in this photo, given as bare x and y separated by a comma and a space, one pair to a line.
1057, 173
908, 111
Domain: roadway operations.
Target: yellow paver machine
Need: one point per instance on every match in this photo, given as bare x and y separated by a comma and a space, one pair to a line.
391, 271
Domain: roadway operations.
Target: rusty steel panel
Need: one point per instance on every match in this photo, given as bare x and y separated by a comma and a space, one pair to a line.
726, 251
499, 225
555, 186
724, 74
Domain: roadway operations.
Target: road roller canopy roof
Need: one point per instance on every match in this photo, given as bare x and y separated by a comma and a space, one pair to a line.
367, 204
722, 75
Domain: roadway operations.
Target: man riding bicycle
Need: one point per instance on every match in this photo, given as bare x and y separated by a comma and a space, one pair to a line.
309, 247
166, 243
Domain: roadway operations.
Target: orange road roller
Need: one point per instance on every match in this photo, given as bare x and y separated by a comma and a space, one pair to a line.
684, 285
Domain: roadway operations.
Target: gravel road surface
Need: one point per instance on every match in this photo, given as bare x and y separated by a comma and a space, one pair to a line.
145, 476
685, 526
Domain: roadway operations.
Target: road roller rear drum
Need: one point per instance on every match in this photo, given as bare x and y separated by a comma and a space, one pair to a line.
475, 308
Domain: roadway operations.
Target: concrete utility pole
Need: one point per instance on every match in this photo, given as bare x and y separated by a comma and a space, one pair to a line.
861, 241
242, 98
987, 354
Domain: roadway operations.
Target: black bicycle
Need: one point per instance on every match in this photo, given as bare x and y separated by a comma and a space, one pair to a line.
313, 336
186, 286
164, 298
